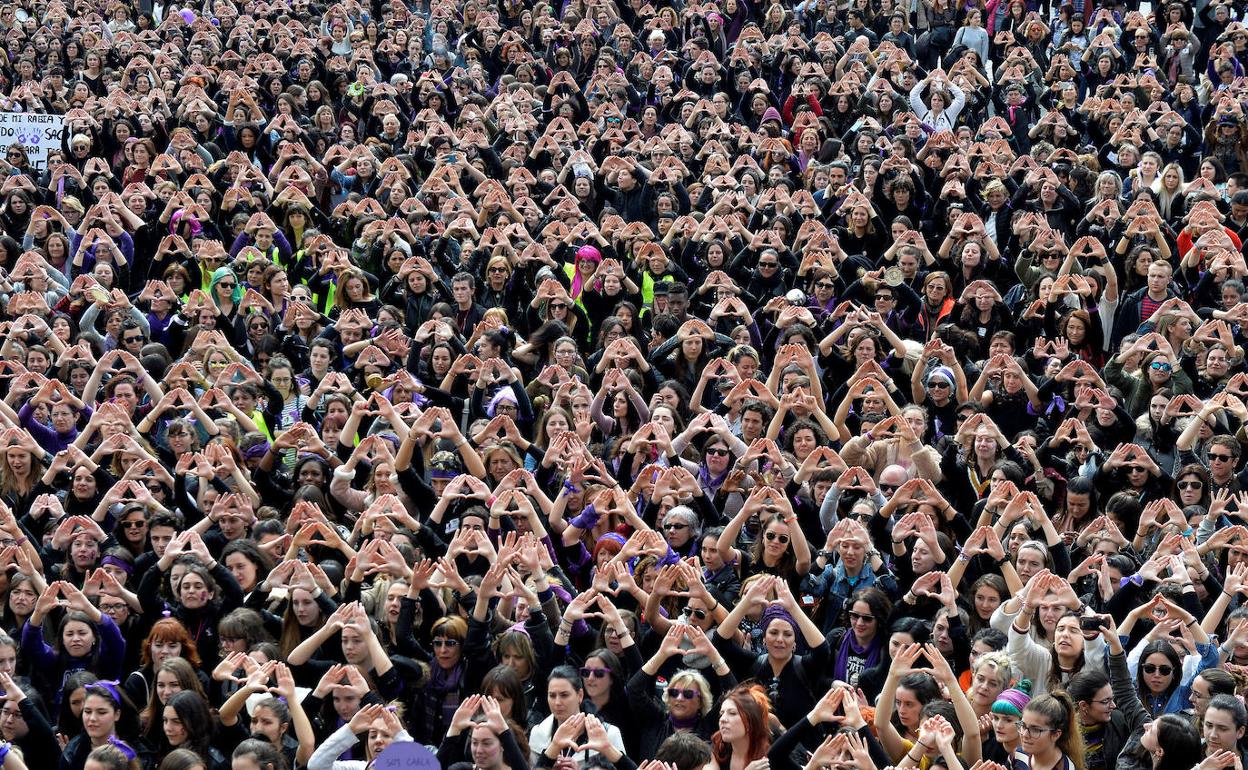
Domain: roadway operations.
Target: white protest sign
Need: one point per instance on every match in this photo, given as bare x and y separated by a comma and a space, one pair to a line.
37, 133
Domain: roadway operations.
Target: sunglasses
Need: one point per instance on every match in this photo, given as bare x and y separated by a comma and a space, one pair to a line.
1158, 668
772, 537
445, 643
1220, 458
764, 265
862, 618
128, 340
889, 487
225, 285
558, 305
681, 693
1158, 366
596, 673
1135, 469
718, 452
675, 525
1188, 485
823, 285
699, 614
941, 384
133, 524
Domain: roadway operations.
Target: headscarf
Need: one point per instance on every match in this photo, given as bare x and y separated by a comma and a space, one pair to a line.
220, 274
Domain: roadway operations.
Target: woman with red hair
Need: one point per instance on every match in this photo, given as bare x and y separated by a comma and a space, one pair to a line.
743, 735
167, 639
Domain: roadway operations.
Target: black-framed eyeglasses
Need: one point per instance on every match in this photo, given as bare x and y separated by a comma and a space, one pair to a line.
765, 265
1220, 458
596, 673
773, 537
884, 298
558, 305
717, 451
1135, 469
675, 525
131, 339
1033, 730
140, 524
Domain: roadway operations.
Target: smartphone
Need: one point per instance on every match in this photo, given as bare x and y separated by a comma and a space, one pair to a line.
1092, 623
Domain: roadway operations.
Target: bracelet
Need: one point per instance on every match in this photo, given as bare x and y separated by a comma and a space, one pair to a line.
715, 607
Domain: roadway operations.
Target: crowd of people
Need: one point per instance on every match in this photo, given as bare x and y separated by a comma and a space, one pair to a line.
659, 384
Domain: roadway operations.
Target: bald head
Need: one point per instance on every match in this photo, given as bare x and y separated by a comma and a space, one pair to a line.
892, 477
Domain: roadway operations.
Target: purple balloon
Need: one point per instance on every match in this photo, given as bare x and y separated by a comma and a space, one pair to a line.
187, 15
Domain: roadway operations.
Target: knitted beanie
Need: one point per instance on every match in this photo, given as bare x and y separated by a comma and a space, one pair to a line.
1011, 702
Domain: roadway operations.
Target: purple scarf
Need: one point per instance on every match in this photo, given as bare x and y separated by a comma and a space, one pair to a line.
850, 644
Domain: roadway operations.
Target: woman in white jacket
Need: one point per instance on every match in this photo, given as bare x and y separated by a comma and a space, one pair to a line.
943, 113
565, 695
383, 728
1049, 666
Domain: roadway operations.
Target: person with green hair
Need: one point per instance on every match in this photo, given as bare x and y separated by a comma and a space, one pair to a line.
226, 291
1007, 712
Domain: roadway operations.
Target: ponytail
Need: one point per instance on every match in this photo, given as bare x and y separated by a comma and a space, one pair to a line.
1058, 708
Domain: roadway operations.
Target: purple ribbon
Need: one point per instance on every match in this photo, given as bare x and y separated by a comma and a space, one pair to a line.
122, 747
108, 686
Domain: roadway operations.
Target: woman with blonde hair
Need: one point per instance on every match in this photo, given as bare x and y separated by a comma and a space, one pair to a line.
1170, 197
1108, 187
991, 674
688, 703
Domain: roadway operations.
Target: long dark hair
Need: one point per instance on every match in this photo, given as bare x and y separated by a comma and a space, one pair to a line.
1158, 647
66, 723
192, 709
1178, 740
